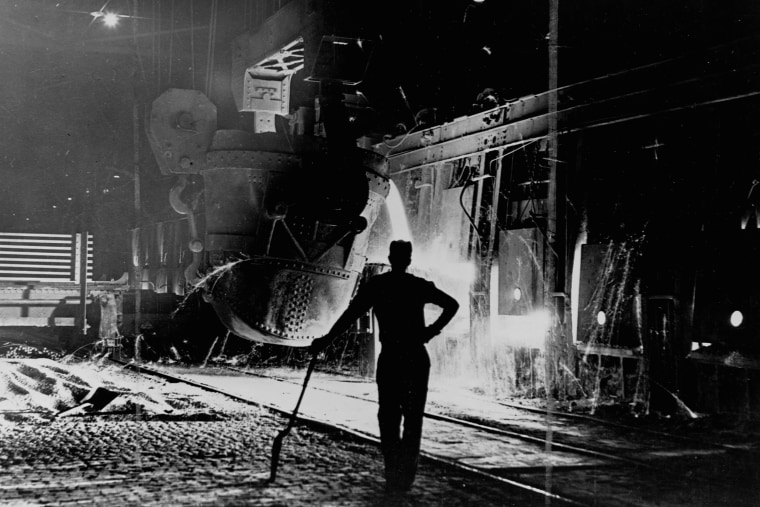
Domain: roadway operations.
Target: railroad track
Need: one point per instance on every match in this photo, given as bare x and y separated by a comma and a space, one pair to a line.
627, 427
529, 478
574, 417
598, 451
467, 423
557, 499
665, 442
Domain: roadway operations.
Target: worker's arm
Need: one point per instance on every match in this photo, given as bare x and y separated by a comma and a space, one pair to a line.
361, 303
449, 306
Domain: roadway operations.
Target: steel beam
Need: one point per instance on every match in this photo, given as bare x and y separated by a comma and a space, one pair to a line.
511, 124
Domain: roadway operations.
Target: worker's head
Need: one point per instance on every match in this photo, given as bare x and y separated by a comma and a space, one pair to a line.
400, 255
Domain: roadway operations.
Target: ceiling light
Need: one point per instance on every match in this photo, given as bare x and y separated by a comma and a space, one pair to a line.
736, 318
110, 19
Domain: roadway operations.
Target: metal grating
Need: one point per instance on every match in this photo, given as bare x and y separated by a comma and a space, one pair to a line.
43, 257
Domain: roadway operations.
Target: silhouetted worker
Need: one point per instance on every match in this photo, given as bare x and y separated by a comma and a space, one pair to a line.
403, 367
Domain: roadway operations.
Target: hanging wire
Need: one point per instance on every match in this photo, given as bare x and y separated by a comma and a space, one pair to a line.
158, 34
624, 72
755, 183
613, 121
607, 121
467, 183
171, 42
192, 43
534, 208
134, 38
211, 45
531, 189
153, 38
650, 65
469, 180
394, 146
523, 144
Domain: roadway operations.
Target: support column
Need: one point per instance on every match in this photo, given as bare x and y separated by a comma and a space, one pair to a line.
555, 297
484, 239
555, 248
137, 206
480, 311
82, 270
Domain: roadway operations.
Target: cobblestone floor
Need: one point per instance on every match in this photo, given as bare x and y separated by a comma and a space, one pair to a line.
212, 459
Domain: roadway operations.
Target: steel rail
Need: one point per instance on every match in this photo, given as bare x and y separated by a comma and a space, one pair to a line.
613, 424
478, 426
521, 436
567, 416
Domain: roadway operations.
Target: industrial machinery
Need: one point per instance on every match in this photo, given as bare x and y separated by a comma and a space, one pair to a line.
278, 217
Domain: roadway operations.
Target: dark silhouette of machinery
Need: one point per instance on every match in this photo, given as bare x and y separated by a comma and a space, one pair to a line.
279, 217
279, 226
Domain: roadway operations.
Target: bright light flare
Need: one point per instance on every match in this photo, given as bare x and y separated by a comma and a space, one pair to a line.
397, 214
522, 330
601, 318
736, 318
110, 19
459, 272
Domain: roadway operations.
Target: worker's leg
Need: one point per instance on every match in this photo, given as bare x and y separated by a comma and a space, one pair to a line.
413, 408
389, 391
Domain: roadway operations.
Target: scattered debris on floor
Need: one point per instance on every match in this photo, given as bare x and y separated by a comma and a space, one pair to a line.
43, 389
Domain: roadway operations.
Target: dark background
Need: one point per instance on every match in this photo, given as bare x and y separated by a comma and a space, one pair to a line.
71, 87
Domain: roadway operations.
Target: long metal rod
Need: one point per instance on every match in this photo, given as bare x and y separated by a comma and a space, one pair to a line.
277, 445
